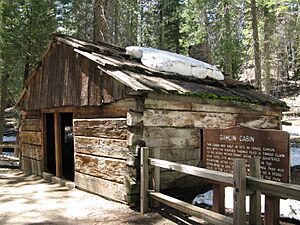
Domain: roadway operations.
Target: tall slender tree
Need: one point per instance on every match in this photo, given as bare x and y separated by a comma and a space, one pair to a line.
267, 33
101, 23
256, 45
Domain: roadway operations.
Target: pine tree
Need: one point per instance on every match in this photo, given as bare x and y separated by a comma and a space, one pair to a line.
256, 45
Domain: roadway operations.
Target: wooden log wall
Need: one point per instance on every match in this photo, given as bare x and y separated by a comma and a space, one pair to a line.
103, 161
172, 125
31, 141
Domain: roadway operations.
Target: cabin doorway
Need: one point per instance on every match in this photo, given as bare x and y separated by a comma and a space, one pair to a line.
67, 146
59, 134
50, 143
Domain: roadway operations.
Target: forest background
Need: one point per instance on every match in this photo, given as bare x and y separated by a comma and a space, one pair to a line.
252, 40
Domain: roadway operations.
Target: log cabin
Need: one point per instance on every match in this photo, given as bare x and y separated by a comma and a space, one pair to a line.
87, 108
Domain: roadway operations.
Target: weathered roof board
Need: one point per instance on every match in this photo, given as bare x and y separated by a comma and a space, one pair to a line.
112, 61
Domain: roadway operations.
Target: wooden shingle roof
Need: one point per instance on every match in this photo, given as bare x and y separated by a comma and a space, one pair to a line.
113, 61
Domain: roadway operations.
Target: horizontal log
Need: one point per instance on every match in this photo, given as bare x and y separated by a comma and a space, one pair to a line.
102, 128
30, 125
102, 147
9, 146
273, 188
134, 135
177, 154
189, 103
101, 112
167, 141
164, 118
165, 132
213, 176
105, 188
205, 107
263, 122
106, 168
32, 151
31, 114
133, 139
207, 215
134, 118
112, 110
31, 166
30, 137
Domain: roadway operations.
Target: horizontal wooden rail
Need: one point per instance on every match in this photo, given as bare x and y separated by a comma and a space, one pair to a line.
242, 184
268, 187
215, 176
207, 215
9, 146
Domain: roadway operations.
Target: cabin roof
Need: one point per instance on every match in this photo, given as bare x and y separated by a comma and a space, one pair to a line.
113, 61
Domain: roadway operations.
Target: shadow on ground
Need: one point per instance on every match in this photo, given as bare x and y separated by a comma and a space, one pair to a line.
29, 199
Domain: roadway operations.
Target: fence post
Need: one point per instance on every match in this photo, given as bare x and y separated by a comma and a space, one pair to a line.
156, 177
219, 198
271, 210
255, 198
144, 179
239, 192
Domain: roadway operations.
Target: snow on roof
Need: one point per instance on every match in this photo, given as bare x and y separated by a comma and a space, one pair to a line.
171, 62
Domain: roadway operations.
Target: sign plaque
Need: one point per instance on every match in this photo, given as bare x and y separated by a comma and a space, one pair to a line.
222, 146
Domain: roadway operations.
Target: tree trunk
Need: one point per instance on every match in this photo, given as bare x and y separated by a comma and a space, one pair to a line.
162, 25
227, 22
4, 90
140, 23
100, 21
26, 68
116, 22
256, 45
267, 49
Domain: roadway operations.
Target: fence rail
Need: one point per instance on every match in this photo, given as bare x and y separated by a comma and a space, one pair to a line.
13, 146
242, 185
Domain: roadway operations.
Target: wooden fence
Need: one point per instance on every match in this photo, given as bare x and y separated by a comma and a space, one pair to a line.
242, 185
12, 146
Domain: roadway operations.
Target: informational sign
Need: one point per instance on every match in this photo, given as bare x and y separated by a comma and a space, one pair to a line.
222, 146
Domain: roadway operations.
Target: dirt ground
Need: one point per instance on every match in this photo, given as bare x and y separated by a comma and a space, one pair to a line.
28, 199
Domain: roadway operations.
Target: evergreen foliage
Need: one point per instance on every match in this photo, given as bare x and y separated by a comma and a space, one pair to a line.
174, 25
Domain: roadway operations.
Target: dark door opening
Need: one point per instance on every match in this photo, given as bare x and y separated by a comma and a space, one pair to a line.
50, 143
67, 145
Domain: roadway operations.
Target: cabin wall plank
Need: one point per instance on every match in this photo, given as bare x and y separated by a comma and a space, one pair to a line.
30, 141
105, 168
31, 137
102, 147
116, 109
105, 128
30, 125
33, 166
109, 189
166, 118
32, 151
189, 103
102, 156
